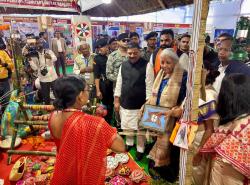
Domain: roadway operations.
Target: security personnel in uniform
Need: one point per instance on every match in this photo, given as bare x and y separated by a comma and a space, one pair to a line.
151, 39
113, 45
104, 87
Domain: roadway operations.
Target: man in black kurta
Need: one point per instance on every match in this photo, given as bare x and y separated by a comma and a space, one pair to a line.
130, 95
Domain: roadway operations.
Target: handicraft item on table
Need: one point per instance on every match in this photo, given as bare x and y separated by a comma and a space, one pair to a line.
33, 170
112, 163
30, 181
5, 144
41, 179
109, 173
154, 119
18, 169
137, 176
118, 180
122, 158
124, 170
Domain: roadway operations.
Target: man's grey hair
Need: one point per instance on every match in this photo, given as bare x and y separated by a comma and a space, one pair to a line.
82, 44
171, 53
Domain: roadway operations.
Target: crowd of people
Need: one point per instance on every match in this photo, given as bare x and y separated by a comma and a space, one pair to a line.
125, 78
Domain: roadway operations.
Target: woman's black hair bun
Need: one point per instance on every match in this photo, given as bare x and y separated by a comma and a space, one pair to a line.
58, 104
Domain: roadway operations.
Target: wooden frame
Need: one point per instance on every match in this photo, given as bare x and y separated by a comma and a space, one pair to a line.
27, 121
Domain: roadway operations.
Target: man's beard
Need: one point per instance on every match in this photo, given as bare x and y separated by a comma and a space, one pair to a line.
165, 46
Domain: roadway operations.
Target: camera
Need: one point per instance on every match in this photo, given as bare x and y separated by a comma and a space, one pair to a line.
32, 52
44, 71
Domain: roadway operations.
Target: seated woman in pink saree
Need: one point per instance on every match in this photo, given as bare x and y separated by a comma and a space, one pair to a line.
230, 143
82, 140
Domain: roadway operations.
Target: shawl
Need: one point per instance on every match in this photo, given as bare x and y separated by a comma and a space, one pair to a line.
232, 142
170, 93
84, 143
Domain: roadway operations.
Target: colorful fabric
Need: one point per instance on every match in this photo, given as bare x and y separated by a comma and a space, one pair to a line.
232, 142
206, 110
83, 148
11, 113
223, 173
8, 118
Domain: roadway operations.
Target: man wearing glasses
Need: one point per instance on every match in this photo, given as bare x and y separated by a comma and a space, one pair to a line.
117, 57
151, 39
153, 67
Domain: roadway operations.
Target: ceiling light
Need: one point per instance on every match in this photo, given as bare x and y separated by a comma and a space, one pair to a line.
106, 1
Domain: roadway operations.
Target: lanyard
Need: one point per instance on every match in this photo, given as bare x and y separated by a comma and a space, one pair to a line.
86, 61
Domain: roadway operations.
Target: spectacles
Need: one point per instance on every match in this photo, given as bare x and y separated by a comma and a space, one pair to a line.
125, 40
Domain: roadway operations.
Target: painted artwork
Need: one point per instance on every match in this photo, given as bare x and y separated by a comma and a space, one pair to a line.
181, 136
153, 119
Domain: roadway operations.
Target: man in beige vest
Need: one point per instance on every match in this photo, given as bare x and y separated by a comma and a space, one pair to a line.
59, 48
83, 64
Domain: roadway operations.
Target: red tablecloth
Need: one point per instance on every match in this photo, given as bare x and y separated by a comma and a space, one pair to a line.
5, 169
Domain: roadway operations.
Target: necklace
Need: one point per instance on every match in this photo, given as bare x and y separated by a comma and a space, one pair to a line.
72, 110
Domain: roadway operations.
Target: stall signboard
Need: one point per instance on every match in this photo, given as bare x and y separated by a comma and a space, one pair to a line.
217, 32
187, 26
24, 25
113, 31
61, 21
58, 5
19, 19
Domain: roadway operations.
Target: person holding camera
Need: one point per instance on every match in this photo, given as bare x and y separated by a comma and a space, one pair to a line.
28, 51
43, 63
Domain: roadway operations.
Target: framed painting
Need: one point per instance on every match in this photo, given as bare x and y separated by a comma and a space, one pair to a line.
152, 118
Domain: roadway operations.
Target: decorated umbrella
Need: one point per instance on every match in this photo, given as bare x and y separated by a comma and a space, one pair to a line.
83, 30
